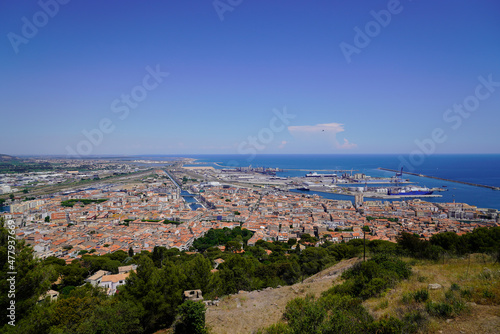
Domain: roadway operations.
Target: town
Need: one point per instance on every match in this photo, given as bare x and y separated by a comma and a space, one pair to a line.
175, 205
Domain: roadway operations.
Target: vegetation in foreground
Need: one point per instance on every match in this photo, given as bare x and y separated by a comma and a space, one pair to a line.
380, 295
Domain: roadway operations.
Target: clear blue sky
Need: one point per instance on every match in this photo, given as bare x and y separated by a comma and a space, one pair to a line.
227, 76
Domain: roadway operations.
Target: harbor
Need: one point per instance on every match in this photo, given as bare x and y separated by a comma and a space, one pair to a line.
379, 193
348, 183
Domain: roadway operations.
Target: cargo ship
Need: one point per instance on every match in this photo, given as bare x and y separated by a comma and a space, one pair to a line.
408, 191
311, 174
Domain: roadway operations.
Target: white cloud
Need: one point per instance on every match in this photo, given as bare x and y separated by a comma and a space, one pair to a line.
346, 145
282, 145
317, 135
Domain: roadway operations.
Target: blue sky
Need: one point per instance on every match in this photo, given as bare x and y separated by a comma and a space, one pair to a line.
229, 79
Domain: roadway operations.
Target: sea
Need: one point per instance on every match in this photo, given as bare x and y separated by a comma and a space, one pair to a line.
474, 168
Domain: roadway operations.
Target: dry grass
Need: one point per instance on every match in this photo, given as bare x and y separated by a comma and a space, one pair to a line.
246, 312
475, 280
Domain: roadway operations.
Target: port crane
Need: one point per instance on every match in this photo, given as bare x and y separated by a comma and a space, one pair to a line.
399, 176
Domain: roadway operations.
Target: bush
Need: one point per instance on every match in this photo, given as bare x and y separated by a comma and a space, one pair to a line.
407, 298
414, 321
488, 294
304, 315
387, 325
421, 295
191, 318
373, 288
449, 295
279, 328
466, 293
421, 279
382, 305
444, 310
451, 307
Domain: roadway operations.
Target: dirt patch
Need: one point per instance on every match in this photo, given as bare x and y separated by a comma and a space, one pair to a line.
246, 312
484, 319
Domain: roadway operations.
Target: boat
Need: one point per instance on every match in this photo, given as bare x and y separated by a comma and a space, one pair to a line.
311, 174
407, 191
303, 189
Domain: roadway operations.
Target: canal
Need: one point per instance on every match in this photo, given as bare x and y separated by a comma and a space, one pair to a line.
186, 195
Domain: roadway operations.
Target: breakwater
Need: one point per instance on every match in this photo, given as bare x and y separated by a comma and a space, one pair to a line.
440, 178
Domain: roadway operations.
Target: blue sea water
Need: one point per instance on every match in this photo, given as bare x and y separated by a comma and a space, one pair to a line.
480, 169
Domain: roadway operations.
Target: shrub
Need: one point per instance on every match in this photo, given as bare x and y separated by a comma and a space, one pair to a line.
421, 279
387, 325
191, 318
407, 297
449, 295
383, 304
488, 294
414, 321
445, 309
439, 309
466, 293
304, 314
373, 288
421, 295
279, 328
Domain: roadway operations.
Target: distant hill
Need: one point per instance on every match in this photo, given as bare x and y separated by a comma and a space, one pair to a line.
7, 158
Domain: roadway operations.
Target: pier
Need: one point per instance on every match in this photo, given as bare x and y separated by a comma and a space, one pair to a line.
442, 179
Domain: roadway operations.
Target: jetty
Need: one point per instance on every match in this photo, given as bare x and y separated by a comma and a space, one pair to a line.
442, 179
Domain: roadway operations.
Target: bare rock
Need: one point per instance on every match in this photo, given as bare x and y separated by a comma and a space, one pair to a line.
434, 286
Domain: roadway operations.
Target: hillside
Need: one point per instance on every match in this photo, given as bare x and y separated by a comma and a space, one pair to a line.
474, 281
246, 312
7, 158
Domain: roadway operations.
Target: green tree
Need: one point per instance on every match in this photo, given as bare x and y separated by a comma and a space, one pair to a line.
31, 280
73, 274
411, 244
47, 219
112, 316
313, 260
233, 246
308, 238
366, 229
447, 240
198, 273
191, 318
157, 291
